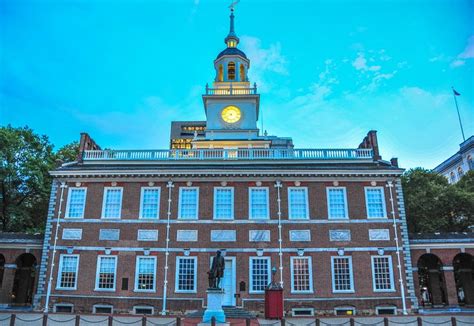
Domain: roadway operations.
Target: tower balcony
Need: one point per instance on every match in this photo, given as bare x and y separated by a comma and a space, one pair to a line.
239, 154
227, 89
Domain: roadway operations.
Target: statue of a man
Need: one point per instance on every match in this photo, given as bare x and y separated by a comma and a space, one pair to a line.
217, 271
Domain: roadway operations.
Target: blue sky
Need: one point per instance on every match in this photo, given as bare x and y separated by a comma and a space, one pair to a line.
328, 71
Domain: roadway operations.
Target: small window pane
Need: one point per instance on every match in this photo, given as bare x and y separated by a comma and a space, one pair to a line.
113, 203
375, 202
150, 203
298, 200
259, 203
223, 205
337, 203
188, 203
77, 200
259, 268
186, 274
68, 274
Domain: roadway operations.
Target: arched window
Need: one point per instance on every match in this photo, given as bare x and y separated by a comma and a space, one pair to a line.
460, 172
452, 177
220, 74
231, 70
470, 163
242, 73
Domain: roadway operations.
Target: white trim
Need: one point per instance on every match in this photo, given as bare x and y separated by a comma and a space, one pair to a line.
140, 214
231, 203
310, 269
290, 213
66, 215
251, 202
351, 275
94, 307
390, 266
142, 231
176, 279
63, 305
96, 288
59, 278
135, 287
269, 273
197, 203
317, 220
143, 307
310, 310
383, 202
346, 208
394, 308
104, 197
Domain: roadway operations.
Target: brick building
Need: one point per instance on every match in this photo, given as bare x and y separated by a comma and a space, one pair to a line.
137, 229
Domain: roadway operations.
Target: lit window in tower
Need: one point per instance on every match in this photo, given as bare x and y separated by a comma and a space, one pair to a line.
231, 70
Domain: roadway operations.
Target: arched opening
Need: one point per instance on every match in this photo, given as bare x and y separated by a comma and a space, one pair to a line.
460, 172
220, 73
231, 70
2, 269
24, 281
470, 163
463, 265
431, 279
452, 177
242, 73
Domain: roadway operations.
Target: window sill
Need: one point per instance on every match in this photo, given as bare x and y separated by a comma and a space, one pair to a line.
104, 290
144, 291
66, 289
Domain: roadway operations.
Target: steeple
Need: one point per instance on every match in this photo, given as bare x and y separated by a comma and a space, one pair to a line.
231, 40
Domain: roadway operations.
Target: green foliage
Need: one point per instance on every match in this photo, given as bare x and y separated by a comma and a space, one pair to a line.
25, 161
433, 205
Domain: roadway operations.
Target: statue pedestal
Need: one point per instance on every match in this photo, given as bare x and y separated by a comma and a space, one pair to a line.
214, 306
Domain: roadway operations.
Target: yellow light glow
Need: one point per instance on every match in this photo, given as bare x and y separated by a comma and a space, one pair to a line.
231, 114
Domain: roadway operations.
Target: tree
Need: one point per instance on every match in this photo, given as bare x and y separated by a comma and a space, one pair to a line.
25, 161
433, 205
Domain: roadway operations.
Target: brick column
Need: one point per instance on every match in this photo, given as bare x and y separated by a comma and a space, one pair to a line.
7, 285
451, 288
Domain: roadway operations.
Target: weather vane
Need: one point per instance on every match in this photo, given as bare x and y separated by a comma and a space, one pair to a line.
232, 5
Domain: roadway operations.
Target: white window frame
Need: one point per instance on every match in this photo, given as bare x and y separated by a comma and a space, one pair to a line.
394, 308
141, 231
295, 310
346, 208
98, 272
310, 264
104, 202
351, 275
197, 203
215, 203
102, 306
69, 202
79, 231
251, 202
383, 203
176, 283
136, 289
143, 307
290, 213
142, 191
269, 271
345, 308
58, 281
63, 305
390, 265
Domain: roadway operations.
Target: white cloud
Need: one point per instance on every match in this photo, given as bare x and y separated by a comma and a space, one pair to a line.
360, 63
265, 61
457, 63
467, 53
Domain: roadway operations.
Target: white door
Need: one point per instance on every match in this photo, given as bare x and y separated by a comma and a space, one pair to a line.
228, 282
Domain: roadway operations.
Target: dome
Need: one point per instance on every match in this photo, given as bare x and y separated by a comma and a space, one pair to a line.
231, 51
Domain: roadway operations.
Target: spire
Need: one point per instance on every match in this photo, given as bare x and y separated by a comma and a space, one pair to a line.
232, 40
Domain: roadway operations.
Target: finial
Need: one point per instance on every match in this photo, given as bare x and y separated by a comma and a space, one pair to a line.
232, 40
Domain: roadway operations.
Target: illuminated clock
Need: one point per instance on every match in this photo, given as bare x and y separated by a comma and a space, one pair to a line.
231, 114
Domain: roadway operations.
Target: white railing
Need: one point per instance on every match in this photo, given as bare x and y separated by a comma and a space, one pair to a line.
227, 154
232, 90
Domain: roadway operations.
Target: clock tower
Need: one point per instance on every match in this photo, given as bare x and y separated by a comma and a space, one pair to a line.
232, 103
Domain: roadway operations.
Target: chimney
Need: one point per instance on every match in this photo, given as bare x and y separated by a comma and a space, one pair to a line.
370, 141
86, 143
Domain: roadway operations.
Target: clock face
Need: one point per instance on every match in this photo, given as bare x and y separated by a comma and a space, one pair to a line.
231, 114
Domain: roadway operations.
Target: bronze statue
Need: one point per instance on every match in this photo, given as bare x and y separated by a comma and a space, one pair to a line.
217, 271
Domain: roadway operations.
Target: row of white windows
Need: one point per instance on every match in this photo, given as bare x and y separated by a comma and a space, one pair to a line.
259, 274
188, 208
